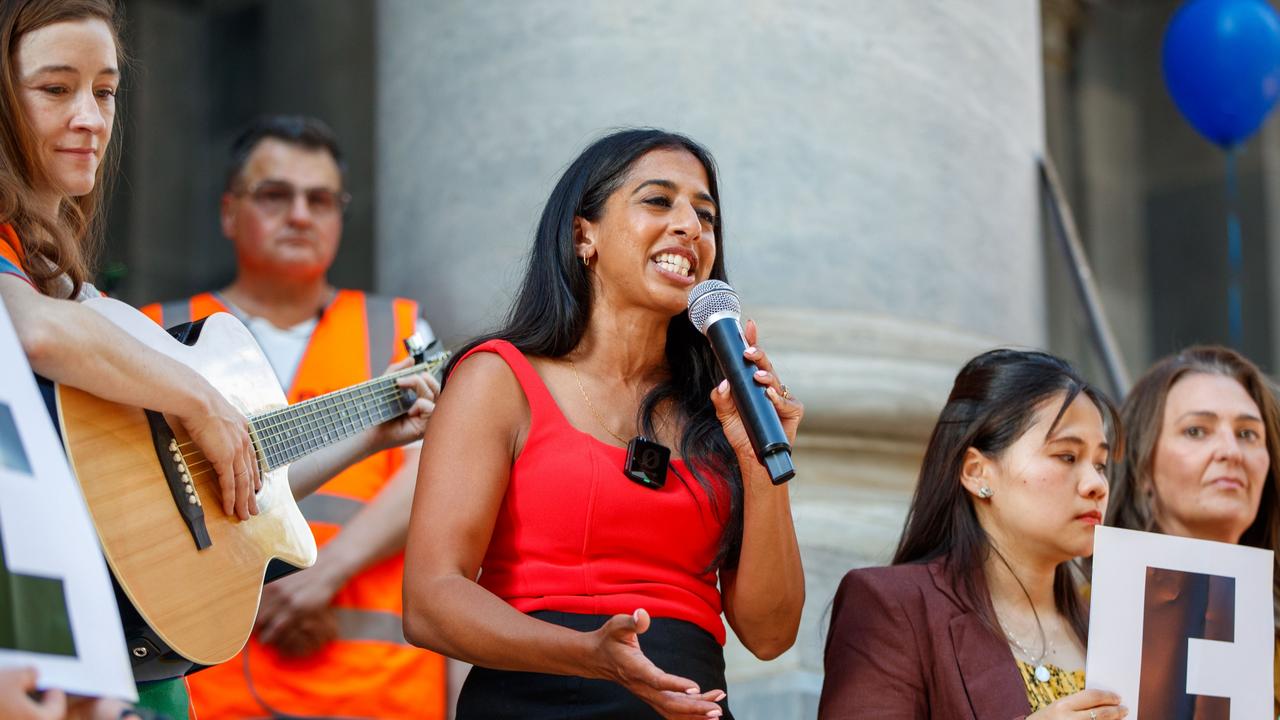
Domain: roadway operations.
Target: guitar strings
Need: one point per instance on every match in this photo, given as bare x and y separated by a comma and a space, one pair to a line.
269, 431
363, 391
272, 451
268, 439
358, 395
264, 432
205, 466
423, 367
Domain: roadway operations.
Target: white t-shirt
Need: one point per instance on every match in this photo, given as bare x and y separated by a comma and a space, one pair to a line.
284, 347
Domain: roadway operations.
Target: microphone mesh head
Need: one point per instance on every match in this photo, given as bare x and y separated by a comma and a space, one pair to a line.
712, 297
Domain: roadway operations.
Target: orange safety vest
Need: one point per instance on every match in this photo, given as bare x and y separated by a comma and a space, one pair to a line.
11, 249
370, 671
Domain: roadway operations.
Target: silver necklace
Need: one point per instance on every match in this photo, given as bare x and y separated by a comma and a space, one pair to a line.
1046, 649
1046, 645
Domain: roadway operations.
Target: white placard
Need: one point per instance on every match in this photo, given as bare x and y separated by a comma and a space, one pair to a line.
50, 551
1156, 589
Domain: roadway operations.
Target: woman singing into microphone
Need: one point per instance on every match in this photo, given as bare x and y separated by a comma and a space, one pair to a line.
576, 591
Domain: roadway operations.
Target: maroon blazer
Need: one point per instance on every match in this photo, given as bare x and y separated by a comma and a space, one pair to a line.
902, 645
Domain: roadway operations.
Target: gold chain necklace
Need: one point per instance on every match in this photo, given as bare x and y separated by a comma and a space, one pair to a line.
591, 407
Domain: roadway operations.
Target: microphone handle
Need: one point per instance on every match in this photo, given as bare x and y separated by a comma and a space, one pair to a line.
759, 417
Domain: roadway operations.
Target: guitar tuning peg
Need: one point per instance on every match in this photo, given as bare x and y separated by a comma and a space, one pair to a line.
416, 347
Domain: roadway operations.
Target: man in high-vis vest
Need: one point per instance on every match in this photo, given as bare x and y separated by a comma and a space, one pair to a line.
328, 641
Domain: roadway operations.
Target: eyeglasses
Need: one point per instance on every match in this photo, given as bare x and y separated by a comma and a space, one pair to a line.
276, 197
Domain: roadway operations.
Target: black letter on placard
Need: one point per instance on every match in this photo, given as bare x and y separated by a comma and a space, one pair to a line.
1180, 606
33, 613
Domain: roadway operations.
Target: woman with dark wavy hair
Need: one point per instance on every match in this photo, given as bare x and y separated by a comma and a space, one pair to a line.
1201, 455
980, 615
574, 590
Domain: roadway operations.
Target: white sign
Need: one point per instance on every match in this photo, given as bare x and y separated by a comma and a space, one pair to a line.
57, 609
1181, 628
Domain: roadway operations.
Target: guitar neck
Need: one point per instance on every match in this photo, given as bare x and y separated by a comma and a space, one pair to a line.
289, 433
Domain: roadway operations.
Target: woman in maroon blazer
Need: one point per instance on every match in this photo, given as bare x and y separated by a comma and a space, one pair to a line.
980, 617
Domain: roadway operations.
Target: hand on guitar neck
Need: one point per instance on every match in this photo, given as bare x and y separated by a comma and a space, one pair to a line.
410, 427
314, 470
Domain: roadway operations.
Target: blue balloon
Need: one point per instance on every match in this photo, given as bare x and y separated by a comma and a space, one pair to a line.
1222, 66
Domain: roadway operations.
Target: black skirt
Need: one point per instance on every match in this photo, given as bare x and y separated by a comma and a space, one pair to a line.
677, 647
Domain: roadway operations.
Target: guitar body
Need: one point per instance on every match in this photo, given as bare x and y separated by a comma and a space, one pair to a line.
200, 602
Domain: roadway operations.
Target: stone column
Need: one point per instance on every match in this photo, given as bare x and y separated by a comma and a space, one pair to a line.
878, 170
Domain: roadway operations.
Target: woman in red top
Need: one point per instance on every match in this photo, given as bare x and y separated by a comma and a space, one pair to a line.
575, 591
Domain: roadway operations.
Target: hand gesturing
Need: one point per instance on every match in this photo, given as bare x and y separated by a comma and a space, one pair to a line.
621, 660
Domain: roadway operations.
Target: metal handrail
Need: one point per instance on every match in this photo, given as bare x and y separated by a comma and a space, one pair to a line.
1082, 275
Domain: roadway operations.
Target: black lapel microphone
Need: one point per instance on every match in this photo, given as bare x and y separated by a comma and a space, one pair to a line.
715, 310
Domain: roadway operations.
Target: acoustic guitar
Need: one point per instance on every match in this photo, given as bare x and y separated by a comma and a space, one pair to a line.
190, 572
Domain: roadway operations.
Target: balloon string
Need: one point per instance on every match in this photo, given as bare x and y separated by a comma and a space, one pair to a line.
1235, 255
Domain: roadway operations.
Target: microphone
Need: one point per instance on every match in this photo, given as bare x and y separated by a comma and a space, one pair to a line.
715, 311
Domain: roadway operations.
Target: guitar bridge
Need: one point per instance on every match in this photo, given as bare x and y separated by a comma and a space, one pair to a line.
178, 476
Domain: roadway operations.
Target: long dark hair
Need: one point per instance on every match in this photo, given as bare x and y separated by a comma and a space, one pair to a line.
1132, 488
550, 312
65, 244
993, 402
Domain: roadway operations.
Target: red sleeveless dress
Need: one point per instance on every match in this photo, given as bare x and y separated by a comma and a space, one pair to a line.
576, 535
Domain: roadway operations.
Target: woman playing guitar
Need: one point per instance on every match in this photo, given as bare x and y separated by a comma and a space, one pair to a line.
62, 67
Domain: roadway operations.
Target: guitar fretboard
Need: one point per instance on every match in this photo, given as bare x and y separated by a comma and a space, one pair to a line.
289, 433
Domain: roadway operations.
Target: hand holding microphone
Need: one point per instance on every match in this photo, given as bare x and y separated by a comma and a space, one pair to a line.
715, 311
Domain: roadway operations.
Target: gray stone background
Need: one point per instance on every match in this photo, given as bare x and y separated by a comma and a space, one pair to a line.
878, 169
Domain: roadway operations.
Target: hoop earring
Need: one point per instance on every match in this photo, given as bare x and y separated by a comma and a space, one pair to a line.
586, 261
985, 492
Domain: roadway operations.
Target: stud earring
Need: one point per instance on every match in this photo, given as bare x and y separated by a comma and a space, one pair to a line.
985, 492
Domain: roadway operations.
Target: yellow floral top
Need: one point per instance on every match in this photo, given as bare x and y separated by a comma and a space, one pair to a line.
1061, 684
